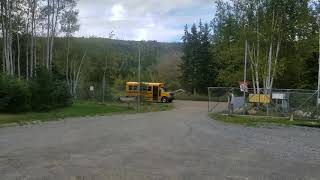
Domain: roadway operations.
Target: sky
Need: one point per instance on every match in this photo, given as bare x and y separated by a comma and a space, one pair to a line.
160, 20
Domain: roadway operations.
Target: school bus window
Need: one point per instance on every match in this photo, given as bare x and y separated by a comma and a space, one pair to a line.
149, 88
130, 88
135, 88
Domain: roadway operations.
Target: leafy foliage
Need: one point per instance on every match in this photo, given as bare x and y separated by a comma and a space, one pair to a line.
15, 95
48, 91
44, 92
265, 23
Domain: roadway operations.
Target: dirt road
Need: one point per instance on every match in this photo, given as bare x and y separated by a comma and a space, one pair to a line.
180, 144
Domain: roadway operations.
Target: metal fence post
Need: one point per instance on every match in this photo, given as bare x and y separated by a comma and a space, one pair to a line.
209, 99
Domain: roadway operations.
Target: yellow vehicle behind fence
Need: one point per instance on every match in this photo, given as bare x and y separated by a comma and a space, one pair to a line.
151, 92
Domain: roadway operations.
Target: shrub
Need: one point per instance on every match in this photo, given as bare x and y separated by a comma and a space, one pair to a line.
15, 95
48, 92
45, 91
60, 95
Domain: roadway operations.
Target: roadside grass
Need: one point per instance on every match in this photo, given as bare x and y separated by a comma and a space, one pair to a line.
262, 121
78, 109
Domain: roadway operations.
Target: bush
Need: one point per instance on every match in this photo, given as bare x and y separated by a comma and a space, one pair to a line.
60, 95
48, 92
44, 92
15, 95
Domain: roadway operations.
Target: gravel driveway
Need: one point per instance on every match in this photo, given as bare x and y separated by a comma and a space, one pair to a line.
180, 144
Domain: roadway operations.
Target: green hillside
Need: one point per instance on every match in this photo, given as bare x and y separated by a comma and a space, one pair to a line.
119, 61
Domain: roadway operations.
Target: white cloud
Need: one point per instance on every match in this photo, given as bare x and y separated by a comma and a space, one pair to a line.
161, 20
118, 13
141, 34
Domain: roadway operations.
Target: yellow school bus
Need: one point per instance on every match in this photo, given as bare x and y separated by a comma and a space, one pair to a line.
151, 92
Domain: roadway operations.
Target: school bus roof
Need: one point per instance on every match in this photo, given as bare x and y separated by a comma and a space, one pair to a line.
148, 83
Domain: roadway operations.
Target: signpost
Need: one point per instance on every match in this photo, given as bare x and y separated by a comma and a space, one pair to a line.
259, 98
279, 96
244, 86
91, 88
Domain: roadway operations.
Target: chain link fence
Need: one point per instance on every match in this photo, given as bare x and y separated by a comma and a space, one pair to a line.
290, 103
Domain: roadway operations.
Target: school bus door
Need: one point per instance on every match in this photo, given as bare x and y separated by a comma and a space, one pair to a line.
155, 93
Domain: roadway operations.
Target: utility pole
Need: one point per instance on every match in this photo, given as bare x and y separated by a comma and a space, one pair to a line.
104, 81
139, 77
318, 95
245, 74
245, 71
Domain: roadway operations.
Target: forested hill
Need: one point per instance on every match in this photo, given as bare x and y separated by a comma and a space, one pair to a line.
279, 40
117, 59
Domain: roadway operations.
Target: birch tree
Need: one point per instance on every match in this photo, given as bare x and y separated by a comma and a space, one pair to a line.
74, 73
55, 9
265, 18
6, 26
69, 25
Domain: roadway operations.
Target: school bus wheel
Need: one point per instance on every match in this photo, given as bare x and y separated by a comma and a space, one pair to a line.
164, 100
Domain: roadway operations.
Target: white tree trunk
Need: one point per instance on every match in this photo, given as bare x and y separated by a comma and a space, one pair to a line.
52, 34
7, 38
48, 36
32, 48
67, 63
35, 52
18, 56
10, 39
4, 38
27, 47
55, 16
268, 78
78, 73
275, 63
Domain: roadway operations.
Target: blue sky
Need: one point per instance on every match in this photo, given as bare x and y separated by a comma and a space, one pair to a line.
161, 20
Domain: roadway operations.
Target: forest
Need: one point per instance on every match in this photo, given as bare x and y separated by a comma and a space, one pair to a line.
44, 66
279, 39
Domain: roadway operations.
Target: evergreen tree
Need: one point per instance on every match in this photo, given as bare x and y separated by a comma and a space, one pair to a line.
197, 67
185, 66
195, 58
206, 63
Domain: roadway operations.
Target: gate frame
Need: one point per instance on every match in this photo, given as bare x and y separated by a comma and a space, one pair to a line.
313, 92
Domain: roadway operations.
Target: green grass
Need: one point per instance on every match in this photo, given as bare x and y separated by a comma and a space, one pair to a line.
79, 109
260, 121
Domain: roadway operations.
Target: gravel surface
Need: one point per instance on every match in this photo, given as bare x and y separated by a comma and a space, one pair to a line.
180, 144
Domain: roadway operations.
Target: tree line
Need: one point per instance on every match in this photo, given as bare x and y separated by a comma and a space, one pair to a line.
47, 67
279, 39
29, 29
24, 23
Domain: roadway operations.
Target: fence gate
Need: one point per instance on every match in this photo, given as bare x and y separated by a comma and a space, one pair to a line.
297, 103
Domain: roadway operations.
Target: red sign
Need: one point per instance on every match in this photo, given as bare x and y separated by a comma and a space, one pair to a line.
243, 86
